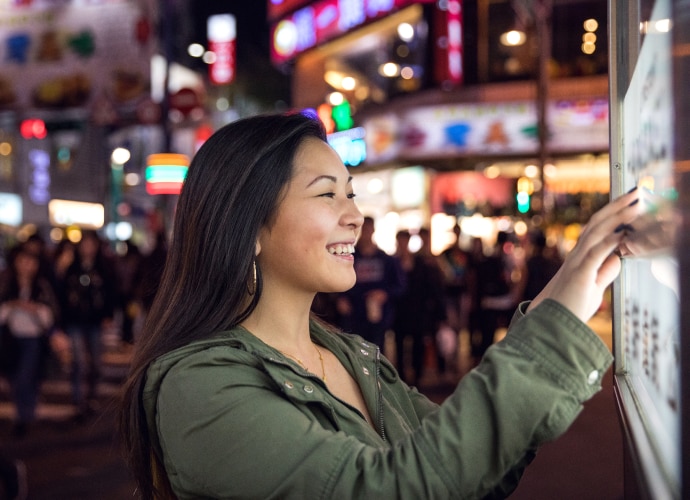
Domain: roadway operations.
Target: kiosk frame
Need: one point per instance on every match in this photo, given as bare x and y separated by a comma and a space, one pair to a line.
649, 53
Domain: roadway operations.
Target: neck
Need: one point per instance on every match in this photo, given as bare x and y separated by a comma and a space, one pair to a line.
282, 321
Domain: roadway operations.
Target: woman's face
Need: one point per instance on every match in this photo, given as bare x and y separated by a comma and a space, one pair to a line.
309, 247
26, 265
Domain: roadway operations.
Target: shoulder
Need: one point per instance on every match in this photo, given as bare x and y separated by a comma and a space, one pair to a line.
203, 366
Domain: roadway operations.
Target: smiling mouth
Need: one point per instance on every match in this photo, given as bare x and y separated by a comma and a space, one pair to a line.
342, 249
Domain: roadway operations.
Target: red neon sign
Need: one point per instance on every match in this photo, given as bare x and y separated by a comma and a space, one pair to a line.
448, 66
33, 128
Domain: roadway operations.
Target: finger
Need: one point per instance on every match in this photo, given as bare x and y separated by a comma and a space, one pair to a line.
596, 254
612, 219
615, 208
609, 270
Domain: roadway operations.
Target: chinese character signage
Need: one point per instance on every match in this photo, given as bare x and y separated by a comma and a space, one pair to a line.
70, 54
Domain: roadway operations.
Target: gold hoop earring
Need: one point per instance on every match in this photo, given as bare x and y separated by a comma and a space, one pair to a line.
252, 290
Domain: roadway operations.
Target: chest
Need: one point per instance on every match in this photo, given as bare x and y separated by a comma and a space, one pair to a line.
344, 387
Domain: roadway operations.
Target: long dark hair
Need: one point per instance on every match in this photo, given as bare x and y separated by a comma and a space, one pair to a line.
9, 280
233, 188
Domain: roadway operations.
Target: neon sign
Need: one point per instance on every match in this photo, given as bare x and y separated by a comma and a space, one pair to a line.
40, 176
221, 34
324, 20
350, 146
165, 173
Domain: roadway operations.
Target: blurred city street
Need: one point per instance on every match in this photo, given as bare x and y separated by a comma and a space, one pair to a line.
69, 458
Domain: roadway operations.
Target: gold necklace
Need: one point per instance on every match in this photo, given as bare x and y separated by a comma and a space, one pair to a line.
318, 351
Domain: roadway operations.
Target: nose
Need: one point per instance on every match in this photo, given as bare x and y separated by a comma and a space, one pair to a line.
352, 216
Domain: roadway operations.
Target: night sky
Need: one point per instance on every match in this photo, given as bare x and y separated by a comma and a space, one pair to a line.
252, 29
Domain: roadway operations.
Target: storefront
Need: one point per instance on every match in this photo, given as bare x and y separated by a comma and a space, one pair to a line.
411, 78
71, 75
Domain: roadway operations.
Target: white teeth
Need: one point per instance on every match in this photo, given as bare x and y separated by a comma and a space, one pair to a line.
342, 249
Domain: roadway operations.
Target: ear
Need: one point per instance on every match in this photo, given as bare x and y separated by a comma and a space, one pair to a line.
258, 248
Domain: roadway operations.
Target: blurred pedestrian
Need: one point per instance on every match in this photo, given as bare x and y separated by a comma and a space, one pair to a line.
36, 245
87, 293
420, 309
497, 295
459, 277
367, 308
146, 281
28, 308
540, 265
127, 265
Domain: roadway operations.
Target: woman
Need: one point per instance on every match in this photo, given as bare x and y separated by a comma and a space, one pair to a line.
28, 308
420, 309
88, 293
235, 391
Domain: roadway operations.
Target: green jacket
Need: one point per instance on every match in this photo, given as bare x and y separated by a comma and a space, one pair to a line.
234, 418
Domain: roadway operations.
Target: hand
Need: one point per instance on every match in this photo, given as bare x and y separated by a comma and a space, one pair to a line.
592, 265
654, 232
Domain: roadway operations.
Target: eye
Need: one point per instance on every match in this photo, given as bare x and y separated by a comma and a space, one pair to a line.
351, 195
328, 195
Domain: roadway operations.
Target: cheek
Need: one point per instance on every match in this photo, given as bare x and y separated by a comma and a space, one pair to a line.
299, 236
311, 230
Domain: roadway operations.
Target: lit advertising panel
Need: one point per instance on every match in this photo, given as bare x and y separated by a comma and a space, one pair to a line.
221, 34
58, 55
10, 209
78, 213
578, 125
324, 20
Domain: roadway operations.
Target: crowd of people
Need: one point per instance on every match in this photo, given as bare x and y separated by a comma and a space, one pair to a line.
56, 304
426, 301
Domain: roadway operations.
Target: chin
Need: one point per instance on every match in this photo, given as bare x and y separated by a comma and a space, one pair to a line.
339, 287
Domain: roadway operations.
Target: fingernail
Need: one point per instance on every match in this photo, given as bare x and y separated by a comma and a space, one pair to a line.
631, 190
634, 202
624, 227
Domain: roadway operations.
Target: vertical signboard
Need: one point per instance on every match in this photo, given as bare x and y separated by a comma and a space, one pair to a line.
648, 295
448, 67
221, 34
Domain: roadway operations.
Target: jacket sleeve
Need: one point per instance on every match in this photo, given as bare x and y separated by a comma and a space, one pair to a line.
230, 434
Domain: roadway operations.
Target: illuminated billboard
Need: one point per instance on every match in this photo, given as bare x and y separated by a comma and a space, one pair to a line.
325, 20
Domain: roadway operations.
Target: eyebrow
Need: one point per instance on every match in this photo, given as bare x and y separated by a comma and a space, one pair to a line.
330, 178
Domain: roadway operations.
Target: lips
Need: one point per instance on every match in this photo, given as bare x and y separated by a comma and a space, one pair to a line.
342, 249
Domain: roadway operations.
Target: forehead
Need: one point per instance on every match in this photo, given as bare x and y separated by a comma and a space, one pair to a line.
315, 156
